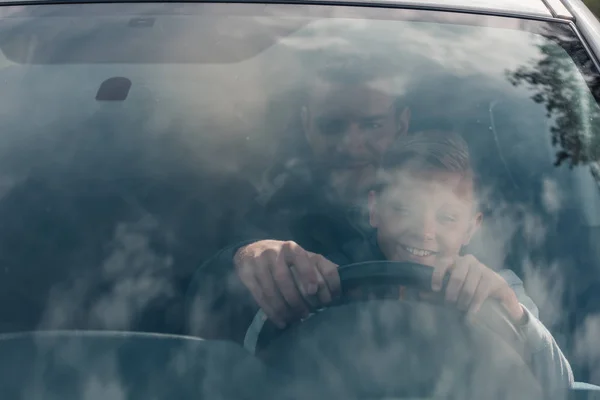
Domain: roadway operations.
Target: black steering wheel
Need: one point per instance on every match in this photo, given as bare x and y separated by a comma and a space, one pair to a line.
381, 347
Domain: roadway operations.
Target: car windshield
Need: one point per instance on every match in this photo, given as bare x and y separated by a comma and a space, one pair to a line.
140, 140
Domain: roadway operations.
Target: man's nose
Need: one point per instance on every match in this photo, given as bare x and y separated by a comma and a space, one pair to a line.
354, 139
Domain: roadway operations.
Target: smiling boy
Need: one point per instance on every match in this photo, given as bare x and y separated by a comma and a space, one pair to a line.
425, 210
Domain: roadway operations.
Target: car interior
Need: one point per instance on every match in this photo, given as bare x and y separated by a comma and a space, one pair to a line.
124, 168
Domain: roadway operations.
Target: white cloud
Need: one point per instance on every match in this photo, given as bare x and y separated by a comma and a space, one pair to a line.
113, 296
551, 196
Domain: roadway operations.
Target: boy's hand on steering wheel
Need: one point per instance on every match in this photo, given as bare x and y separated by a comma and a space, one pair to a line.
284, 279
471, 283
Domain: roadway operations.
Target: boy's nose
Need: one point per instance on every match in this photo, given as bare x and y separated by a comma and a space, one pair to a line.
424, 226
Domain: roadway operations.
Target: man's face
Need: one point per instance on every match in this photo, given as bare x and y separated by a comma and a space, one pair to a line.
424, 217
349, 127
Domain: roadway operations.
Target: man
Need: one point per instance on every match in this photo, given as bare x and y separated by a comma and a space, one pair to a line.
349, 118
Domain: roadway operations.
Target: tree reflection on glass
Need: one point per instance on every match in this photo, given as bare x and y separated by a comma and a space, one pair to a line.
565, 92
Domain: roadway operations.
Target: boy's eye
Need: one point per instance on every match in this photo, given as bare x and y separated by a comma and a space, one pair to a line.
447, 218
398, 208
398, 211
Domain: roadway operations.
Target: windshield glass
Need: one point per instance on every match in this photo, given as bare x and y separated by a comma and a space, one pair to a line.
143, 144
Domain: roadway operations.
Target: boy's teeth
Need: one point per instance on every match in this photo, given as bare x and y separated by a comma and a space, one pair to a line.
418, 252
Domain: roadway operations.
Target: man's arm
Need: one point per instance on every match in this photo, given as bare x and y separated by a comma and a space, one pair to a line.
548, 362
218, 306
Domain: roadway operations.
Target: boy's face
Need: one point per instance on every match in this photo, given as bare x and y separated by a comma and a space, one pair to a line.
424, 216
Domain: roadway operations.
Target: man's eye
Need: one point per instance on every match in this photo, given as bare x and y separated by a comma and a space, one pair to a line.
371, 125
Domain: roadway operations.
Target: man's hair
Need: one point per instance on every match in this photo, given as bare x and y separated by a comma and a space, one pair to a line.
351, 70
426, 151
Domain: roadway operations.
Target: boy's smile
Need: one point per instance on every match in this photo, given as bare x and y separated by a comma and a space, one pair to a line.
424, 216
414, 251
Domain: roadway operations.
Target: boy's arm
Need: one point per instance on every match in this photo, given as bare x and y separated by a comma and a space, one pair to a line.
548, 362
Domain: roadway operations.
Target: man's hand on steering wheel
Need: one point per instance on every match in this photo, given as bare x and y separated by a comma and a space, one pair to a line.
471, 283
282, 277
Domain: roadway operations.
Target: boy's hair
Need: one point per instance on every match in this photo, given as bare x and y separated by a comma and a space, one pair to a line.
431, 150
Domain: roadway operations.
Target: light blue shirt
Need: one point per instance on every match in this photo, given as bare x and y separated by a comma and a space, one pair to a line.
548, 362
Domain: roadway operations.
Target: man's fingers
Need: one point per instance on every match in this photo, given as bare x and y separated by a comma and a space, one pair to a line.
299, 258
311, 300
271, 293
263, 302
282, 274
458, 275
248, 275
324, 293
331, 279
465, 297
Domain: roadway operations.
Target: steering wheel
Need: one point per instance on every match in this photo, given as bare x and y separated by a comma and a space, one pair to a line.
384, 347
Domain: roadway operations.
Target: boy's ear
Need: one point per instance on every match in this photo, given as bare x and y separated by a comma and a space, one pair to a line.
474, 226
373, 216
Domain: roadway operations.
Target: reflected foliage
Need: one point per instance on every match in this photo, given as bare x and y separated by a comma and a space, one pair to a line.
560, 88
